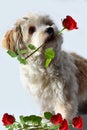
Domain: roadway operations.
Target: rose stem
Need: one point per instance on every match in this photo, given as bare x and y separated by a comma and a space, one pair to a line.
61, 31
34, 52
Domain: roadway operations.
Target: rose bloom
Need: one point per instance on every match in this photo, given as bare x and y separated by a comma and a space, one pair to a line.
69, 23
55, 119
64, 125
77, 122
8, 119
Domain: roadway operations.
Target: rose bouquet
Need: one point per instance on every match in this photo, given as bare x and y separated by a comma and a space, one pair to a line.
50, 121
33, 122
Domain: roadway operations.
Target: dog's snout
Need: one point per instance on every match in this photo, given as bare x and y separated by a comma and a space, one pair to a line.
50, 31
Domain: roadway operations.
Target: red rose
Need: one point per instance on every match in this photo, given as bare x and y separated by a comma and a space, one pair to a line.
64, 125
55, 119
69, 23
8, 119
77, 122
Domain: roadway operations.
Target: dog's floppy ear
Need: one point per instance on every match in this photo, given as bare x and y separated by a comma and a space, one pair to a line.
8, 41
13, 39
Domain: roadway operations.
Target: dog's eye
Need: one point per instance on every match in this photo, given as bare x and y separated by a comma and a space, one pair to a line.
32, 29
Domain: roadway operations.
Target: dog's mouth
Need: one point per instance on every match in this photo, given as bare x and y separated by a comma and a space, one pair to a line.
49, 39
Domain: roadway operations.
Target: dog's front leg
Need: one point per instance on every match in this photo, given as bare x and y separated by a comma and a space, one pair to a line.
67, 109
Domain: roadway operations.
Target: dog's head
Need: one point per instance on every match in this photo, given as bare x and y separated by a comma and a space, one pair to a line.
35, 29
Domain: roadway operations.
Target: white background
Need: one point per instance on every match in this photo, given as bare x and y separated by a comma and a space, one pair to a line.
13, 97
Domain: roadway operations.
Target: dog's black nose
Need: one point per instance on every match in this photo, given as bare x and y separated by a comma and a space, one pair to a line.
50, 31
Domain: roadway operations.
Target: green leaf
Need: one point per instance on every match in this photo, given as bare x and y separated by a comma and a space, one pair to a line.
48, 115
7, 126
12, 53
45, 125
47, 62
32, 47
49, 53
38, 119
20, 52
33, 119
11, 129
21, 60
21, 119
19, 125
26, 118
26, 129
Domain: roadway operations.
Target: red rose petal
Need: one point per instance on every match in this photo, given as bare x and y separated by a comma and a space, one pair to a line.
8, 119
77, 122
64, 125
55, 119
69, 23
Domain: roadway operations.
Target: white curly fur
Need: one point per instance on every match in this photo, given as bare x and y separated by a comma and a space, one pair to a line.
55, 87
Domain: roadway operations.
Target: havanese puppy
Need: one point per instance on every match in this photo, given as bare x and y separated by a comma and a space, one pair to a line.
62, 86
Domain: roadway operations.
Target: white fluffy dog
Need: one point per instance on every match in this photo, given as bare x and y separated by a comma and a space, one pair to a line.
61, 87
